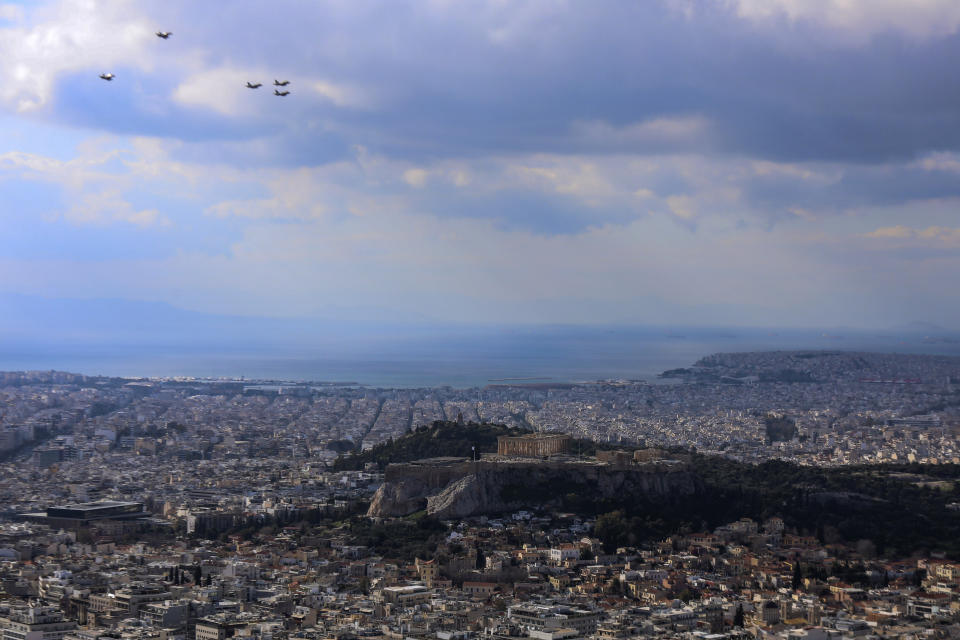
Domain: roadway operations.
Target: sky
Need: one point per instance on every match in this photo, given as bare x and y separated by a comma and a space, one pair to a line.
693, 162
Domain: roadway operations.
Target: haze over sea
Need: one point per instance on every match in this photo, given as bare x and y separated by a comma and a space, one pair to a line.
454, 357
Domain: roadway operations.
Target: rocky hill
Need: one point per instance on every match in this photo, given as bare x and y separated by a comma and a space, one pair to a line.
458, 488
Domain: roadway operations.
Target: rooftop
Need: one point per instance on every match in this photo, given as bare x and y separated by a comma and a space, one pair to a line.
93, 506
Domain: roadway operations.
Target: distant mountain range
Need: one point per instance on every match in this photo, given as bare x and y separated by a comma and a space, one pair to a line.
922, 327
119, 322
33, 320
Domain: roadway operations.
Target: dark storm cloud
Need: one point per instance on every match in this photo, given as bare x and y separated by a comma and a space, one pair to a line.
853, 186
468, 77
479, 78
422, 82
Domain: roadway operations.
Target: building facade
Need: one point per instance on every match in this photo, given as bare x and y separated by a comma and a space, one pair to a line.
533, 445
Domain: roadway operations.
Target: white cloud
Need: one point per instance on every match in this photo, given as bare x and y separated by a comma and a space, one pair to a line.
416, 177
932, 236
684, 207
106, 207
342, 95
14, 160
92, 194
74, 174
940, 161
898, 231
861, 18
222, 90
69, 36
354, 231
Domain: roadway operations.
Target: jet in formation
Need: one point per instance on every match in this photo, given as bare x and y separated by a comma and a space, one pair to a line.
163, 35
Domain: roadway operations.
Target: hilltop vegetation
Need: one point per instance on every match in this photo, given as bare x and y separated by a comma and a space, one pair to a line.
447, 438
895, 510
438, 439
885, 504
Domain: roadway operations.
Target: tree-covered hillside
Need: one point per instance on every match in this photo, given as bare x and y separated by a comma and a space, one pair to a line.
900, 509
438, 439
892, 506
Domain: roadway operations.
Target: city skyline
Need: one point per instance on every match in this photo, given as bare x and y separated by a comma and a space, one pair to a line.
732, 163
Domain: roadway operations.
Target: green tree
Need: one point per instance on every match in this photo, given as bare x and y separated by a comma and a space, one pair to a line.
612, 529
918, 577
797, 577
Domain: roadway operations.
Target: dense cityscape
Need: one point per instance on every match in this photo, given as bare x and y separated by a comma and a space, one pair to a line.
206, 509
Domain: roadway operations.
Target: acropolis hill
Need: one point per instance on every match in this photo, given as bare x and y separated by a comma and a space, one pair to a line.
449, 487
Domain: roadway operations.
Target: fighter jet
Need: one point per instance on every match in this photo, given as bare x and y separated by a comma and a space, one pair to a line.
277, 83
254, 85
164, 34
107, 76
280, 93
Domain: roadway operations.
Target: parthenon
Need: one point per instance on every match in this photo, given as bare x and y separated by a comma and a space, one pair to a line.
533, 445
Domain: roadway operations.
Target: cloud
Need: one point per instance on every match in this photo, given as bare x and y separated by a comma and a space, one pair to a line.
834, 188
107, 207
899, 231
863, 18
13, 160
416, 177
224, 90
470, 270
429, 80
221, 90
67, 36
484, 159
681, 132
682, 207
92, 194
938, 161
342, 95
933, 236
527, 239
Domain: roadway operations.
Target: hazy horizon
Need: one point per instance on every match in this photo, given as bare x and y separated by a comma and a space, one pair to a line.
122, 338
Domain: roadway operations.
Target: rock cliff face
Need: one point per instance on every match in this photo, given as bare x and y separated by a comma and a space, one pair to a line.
407, 485
457, 489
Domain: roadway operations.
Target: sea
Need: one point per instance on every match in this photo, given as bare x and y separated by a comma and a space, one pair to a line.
459, 358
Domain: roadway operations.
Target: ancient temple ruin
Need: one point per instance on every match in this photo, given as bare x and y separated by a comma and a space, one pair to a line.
533, 445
